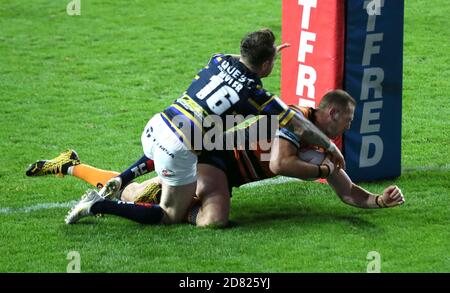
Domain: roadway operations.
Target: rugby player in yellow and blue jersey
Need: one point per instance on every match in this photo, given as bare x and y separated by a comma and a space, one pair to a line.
229, 85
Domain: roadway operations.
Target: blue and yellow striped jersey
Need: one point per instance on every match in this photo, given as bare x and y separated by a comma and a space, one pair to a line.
225, 86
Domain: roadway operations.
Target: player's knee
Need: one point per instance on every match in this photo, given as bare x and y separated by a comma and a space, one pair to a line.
213, 222
128, 194
212, 217
275, 167
171, 216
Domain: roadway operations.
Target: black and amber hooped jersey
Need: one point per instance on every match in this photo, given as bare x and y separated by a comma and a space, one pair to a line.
249, 162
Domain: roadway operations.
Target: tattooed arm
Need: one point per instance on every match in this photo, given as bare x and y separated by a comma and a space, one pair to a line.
308, 132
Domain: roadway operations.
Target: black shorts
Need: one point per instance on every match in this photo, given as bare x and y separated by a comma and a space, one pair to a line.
225, 161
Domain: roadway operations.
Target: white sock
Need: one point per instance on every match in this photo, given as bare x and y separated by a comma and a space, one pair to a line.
70, 170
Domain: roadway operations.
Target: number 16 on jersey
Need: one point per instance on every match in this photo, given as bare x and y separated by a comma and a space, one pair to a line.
223, 97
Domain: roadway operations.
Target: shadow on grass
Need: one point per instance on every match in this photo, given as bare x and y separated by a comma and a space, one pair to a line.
263, 218
304, 219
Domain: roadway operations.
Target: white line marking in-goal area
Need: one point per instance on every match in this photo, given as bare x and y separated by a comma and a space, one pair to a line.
426, 168
272, 181
38, 207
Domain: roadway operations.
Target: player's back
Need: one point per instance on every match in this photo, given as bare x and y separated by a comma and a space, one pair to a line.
224, 87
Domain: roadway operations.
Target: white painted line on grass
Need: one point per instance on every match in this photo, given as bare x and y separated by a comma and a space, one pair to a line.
271, 181
38, 207
426, 168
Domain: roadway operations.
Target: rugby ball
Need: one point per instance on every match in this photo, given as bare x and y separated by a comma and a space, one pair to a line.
312, 156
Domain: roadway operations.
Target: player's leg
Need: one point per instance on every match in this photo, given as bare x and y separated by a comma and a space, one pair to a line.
115, 185
148, 191
92, 175
58, 166
68, 163
175, 165
210, 207
142, 166
175, 201
92, 203
214, 195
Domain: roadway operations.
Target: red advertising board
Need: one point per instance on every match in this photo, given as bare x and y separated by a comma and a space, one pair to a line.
314, 63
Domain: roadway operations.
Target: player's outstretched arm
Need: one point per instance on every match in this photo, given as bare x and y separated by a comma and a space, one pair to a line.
357, 196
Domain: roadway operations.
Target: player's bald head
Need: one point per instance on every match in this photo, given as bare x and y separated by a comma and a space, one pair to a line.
339, 99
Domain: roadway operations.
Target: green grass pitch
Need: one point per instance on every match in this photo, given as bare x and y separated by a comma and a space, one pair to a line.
91, 82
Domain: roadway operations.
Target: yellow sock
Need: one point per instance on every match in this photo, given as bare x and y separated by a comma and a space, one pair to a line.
94, 176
